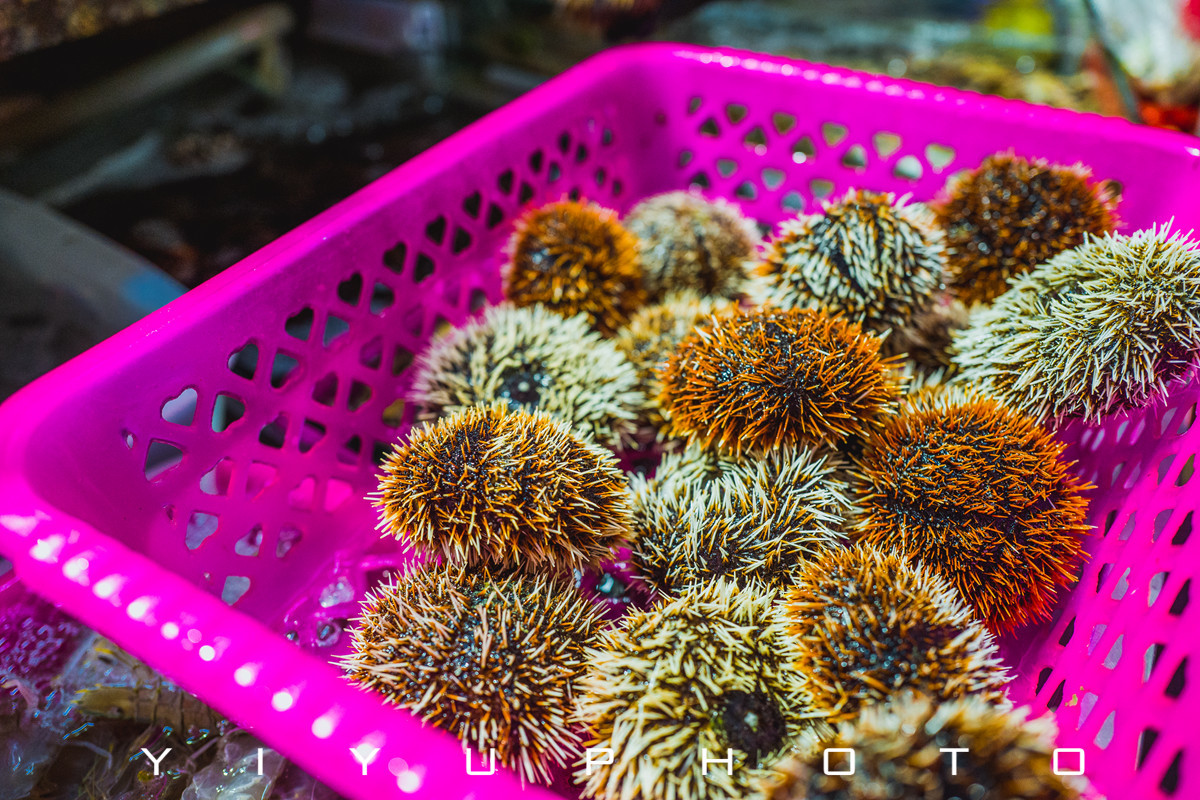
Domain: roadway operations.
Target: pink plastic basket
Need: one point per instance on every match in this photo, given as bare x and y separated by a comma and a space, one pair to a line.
193, 487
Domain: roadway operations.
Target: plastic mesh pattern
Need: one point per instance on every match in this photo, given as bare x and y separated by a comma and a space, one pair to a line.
194, 487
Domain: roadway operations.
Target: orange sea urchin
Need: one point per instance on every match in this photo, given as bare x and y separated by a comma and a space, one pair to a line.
903, 751
762, 379
576, 258
509, 488
979, 494
870, 625
493, 660
1013, 213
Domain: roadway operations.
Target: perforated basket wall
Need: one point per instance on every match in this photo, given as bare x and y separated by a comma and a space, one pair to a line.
194, 487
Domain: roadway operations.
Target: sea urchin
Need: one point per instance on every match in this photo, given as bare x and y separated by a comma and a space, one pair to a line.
979, 494
871, 257
691, 244
492, 660
709, 672
758, 380
870, 625
905, 750
1096, 330
576, 258
534, 359
1011, 214
490, 486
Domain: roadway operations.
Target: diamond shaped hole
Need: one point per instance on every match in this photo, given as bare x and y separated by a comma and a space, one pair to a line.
360, 394
283, 369
273, 433
535, 160
435, 231
460, 242
393, 415
855, 158
472, 204
885, 143
181, 409
772, 178
371, 354
694, 104
161, 457
310, 434
908, 168
335, 328
564, 142
325, 390
249, 544
505, 181
782, 122
244, 362
394, 258
939, 156
201, 525
289, 537
227, 410
495, 215
350, 450
235, 588
423, 269
833, 133
216, 481
803, 150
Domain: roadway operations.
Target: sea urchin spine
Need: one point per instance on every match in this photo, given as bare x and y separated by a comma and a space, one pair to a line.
511, 489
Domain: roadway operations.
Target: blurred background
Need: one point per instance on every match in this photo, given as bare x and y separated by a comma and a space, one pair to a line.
146, 145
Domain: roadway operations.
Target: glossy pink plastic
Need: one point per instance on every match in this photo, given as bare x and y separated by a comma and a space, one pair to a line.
194, 486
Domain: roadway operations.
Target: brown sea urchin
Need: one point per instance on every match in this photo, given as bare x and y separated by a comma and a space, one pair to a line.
766, 378
534, 359
1096, 330
873, 258
576, 258
1011, 214
492, 660
979, 494
696, 677
514, 489
870, 625
906, 750
691, 244
654, 333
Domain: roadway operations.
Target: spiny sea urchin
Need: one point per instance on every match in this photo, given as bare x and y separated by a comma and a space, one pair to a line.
532, 358
1094, 331
491, 486
1011, 214
925, 339
870, 625
755, 522
492, 660
654, 333
757, 380
710, 671
871, 257
978, 493
900, 754
691, 244
576, 258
